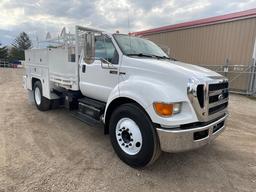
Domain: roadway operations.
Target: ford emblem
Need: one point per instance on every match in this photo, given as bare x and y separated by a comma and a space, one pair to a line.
221, 96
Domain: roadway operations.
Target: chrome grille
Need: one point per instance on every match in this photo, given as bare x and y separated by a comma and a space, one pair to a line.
218, 86
218, 97
209, 98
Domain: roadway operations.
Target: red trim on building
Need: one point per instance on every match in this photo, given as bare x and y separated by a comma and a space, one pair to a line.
206, 21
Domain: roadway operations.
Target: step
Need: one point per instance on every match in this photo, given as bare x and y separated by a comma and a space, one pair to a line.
92, 102
87, 119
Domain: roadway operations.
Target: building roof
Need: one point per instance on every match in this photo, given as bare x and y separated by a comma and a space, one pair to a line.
201, 22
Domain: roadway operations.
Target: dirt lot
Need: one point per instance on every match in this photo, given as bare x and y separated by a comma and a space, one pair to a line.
52, 151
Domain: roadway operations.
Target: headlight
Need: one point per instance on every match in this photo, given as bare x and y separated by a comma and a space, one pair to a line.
192, 86
167, 109
176, 108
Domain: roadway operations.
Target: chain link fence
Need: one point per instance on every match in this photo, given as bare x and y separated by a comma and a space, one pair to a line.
242, 78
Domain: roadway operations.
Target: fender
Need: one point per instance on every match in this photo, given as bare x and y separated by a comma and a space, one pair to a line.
145, 91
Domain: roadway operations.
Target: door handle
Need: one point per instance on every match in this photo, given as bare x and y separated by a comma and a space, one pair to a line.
83, 68
113, 72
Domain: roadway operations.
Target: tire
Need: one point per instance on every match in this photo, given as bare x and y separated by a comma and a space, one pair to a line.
133, 136
42, 103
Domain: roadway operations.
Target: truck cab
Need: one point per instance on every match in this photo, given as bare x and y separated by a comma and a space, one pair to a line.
146, 101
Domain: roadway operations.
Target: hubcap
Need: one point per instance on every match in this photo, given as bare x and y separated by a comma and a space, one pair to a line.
37, 96
128, 136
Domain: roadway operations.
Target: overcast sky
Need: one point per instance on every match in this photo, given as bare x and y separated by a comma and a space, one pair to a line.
37, 17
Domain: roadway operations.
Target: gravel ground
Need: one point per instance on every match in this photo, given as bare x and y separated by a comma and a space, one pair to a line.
52, 151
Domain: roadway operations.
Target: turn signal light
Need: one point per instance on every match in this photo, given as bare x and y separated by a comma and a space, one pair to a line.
163, 109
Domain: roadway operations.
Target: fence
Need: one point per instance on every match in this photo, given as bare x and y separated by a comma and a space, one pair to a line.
4, 63
242, 78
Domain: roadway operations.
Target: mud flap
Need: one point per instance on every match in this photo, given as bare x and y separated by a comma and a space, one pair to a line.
30, 97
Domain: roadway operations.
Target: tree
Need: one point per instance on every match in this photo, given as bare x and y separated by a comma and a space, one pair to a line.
3, 52
20, 44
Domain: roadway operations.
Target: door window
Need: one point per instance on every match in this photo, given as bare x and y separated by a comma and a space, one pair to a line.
105, 49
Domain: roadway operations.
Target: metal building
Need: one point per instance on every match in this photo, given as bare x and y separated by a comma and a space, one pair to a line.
224, 43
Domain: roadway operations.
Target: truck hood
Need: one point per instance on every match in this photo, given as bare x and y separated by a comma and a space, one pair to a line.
194, 69
167, 66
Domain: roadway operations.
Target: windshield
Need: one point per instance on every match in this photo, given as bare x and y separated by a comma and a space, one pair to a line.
133, 46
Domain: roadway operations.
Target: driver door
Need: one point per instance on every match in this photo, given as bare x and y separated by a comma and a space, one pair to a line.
98, 79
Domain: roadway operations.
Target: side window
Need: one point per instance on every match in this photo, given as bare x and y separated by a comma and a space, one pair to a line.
105, 49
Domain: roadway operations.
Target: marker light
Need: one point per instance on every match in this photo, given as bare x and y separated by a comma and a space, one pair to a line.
167, 109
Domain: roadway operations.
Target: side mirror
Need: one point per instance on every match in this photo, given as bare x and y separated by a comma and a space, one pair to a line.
89, 48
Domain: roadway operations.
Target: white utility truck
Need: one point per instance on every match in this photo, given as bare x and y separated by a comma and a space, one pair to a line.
146, 101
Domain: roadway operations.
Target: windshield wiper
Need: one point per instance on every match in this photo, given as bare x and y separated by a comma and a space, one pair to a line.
147, 55
161, 57
172, 58
164, 57
152, 56
139, 55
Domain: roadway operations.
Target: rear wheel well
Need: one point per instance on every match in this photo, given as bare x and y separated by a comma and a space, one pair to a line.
34, 80
116, 103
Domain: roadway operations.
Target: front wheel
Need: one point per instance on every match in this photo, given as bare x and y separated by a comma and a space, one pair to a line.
42, 103
133, 136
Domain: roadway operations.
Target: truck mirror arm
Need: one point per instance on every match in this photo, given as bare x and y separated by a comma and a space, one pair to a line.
105, 64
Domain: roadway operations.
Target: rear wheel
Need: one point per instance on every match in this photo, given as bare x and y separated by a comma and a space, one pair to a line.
42, 103
133, 136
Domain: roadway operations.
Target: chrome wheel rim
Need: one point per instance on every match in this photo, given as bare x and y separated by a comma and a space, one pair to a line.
37, 96
128, 136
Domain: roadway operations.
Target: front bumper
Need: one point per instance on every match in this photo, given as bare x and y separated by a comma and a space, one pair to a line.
177, 140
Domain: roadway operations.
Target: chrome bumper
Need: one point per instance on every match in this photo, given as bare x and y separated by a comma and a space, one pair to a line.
177, 140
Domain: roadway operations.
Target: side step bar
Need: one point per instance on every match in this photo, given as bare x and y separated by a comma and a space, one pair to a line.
90, 111
87, 119
92, 102
91, 107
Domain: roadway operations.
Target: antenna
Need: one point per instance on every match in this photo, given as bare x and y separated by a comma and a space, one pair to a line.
128, 20
129, 32
37, 41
